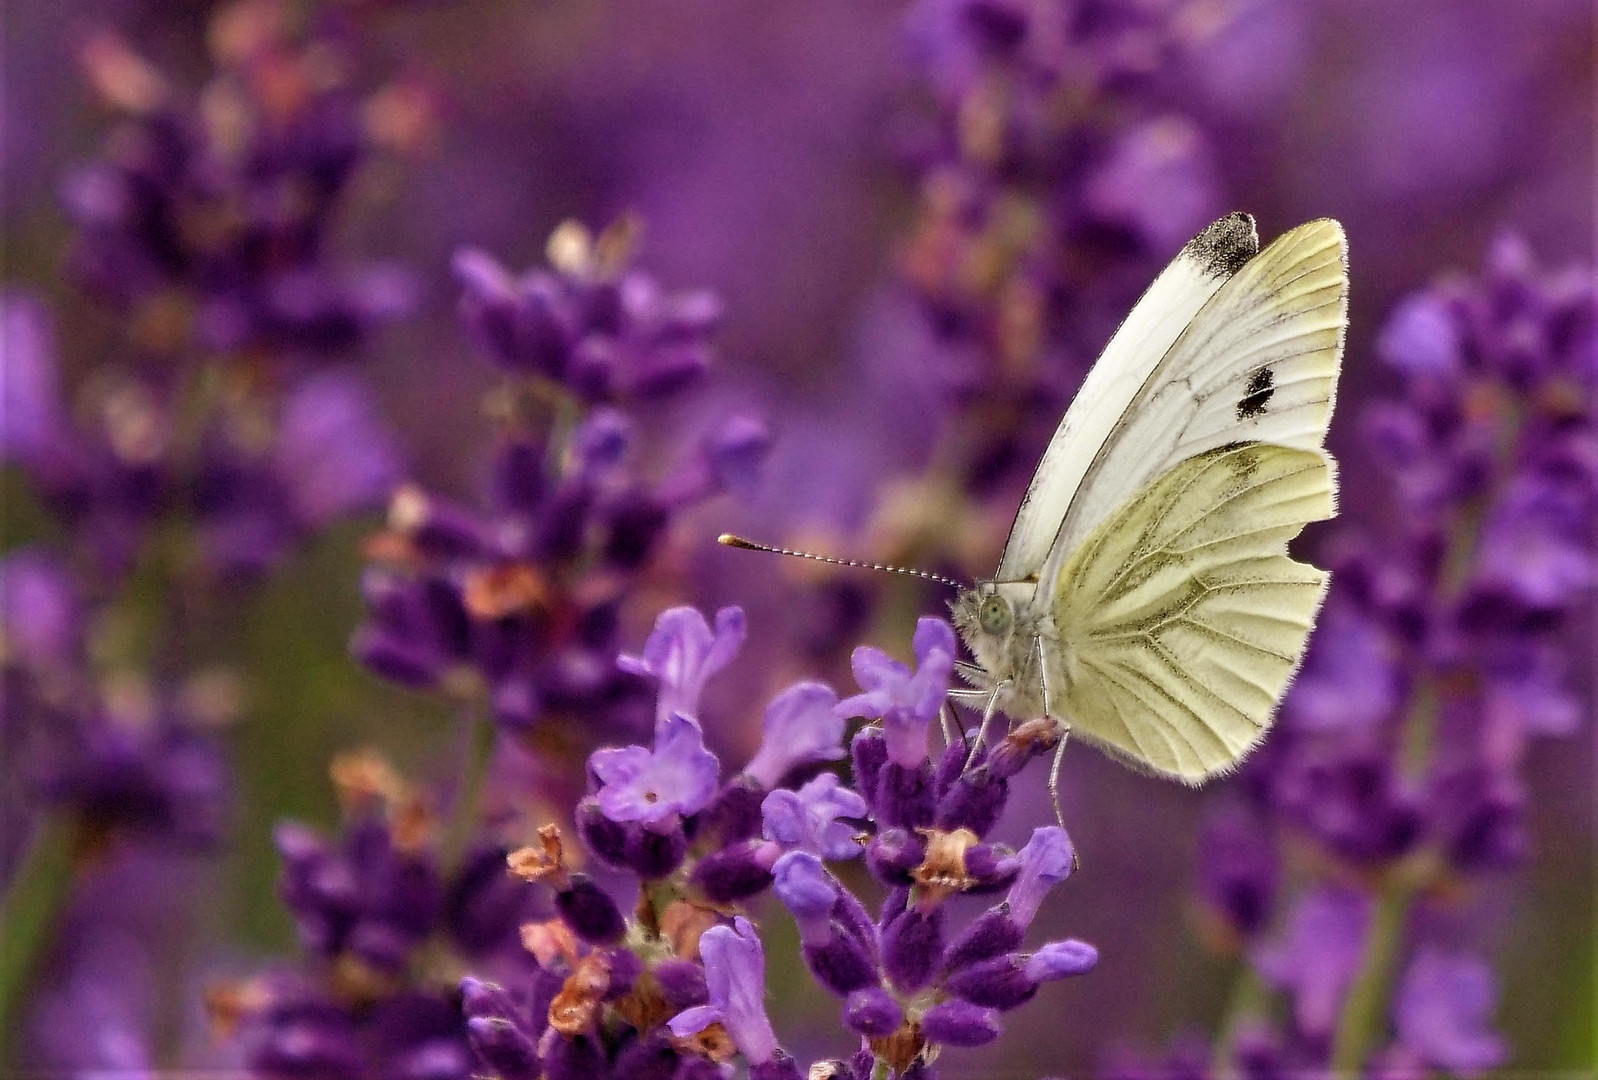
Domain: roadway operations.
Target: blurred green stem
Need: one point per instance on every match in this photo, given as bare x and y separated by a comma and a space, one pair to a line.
31, 906
481, 736
1248, 998
1365, 1008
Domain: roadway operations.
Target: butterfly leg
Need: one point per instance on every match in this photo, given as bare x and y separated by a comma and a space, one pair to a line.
1054, 787
987, 718
1043, 672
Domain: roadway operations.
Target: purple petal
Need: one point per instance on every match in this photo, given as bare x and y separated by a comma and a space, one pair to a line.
693, 1021
801, 727
1061, 959
735, 971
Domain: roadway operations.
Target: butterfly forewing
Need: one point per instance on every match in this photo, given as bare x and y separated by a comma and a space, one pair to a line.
1181, 618
1158, 319
1258, 362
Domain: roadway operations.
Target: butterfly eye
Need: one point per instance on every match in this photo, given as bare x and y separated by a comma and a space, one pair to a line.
994, 618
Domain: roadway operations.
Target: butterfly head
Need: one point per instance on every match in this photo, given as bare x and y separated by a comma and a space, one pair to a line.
988, 617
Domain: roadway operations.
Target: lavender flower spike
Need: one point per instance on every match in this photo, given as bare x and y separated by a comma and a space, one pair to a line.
801, 728
735, 971
807, 819
683, 653
650, 786
904, 701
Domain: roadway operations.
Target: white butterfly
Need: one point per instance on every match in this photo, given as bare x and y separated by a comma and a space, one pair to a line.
1145, 600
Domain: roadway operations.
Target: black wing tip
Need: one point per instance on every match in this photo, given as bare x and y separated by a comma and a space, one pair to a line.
1223, 247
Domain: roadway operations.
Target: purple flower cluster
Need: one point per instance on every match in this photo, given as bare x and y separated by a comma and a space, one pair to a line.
523, 595
1056, 173
121, 756
678, 989
385, 923
911, 984
255, 477
1436, 663
209, 222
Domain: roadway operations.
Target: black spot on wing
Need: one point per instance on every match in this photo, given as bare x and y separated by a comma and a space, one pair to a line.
1223, 248
1257, 394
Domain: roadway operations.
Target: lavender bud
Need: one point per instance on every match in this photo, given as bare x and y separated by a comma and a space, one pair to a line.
590, 911
1001, 983
650, 1058
577, 1058
973, 802
872, 1012
735, 873
912, 947
391, 657
624, 967
1061, 960
780, 1067
905, 795
653, 855
604, 838
481, 998
868, 754
502, 1048
733, 815
682, 982
843, 965
960, 1023
1026, 742
892, 855
991, 867
990, 934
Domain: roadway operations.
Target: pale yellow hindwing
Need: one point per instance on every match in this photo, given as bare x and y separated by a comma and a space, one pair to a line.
1181, 618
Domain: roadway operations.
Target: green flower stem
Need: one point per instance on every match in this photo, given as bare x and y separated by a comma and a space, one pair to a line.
464, 814
29, 911
1249, 998
1365, 1008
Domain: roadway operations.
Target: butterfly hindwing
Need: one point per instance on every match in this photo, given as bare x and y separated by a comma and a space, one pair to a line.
1181, 618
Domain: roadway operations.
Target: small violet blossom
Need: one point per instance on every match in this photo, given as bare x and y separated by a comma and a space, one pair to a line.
735, 973
683, 653
905, 701
1319, 956
1444, 1007
802, 727
808, 819
677, 777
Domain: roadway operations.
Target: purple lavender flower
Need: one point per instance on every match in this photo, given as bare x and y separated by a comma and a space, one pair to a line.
807, 819
801, 727
1319, 956
677, 778
905, 701
1443, 1011
522, 597
735, 970
682, 653
600, 330
30, 402
187, 222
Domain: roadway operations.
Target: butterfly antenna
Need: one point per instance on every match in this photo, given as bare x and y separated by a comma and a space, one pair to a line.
729, 540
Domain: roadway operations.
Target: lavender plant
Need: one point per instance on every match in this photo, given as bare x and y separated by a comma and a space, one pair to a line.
523, 597
210, 442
